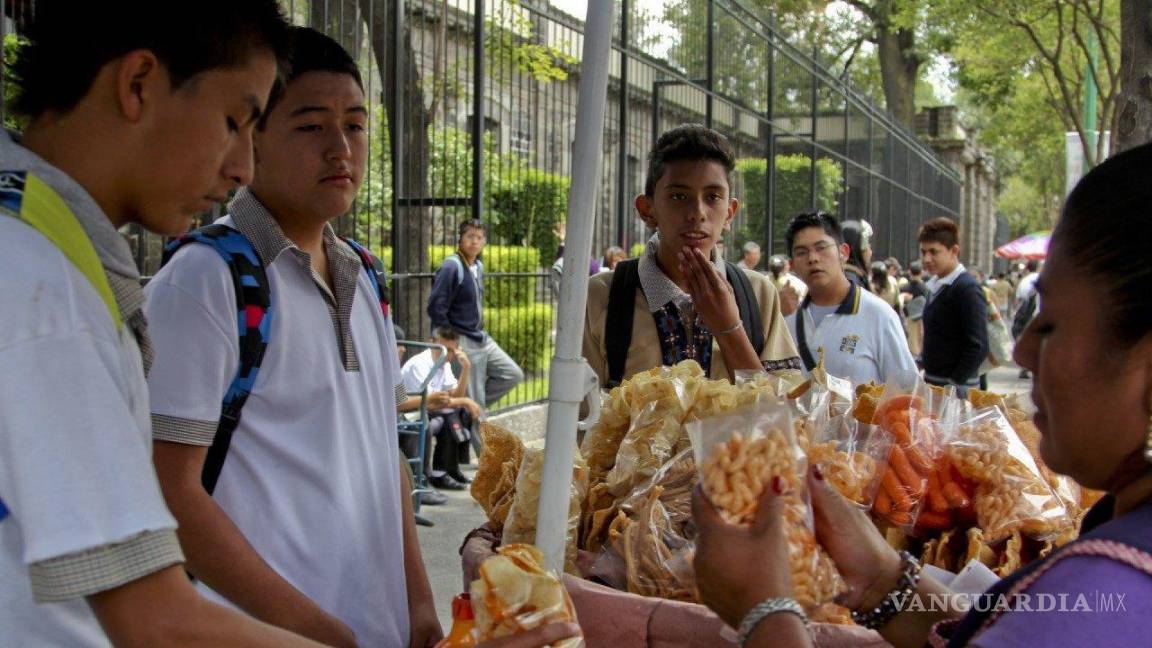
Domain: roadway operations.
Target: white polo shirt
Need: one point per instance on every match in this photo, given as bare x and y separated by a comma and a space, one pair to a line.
417, 369
862, 340
82, 510
312, 475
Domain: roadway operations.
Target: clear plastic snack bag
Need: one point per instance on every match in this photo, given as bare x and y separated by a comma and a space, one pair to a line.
520, 525
1011, 494
738, 455
515, 594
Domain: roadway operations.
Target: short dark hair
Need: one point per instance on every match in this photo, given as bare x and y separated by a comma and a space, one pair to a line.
1106, 230
69, 42
688, 142
1033, 265
824, 221
470, 223
942, 230
915, 268
310, 51
446, 333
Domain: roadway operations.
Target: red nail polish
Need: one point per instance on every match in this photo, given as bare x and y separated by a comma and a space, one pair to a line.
817, 473
777, 485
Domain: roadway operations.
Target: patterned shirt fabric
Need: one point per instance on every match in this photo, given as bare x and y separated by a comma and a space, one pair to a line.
256, 223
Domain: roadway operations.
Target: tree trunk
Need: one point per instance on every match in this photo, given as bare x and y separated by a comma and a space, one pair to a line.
1132, 125
414, 230
899, 69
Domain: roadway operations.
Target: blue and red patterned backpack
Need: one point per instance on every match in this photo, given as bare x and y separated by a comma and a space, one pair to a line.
254, 311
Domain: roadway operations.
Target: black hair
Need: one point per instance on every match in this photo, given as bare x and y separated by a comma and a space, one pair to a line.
1106, 230
915, 268
1033, 265
853, 232
310, 51
688, 142
879, 275
446, 333
824, 221
470, 223
70, 41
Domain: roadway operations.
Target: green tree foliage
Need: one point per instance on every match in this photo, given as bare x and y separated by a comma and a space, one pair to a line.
793, 185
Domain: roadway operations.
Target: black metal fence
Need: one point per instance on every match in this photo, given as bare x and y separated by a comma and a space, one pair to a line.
473, 106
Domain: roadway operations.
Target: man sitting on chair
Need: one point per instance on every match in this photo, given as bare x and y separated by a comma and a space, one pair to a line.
450, 411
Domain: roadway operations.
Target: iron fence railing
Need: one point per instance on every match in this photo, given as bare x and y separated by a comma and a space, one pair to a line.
473, 106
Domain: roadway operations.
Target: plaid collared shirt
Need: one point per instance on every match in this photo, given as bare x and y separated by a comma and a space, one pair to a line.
256, 223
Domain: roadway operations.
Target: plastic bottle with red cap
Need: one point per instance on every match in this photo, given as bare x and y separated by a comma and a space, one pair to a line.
463, 620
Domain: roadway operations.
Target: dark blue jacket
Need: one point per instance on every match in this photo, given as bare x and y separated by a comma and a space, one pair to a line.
956, 332
456, 298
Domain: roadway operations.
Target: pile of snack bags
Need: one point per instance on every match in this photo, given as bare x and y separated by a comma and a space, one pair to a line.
952, 480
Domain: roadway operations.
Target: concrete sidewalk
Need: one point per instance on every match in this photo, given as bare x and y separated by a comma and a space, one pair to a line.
461, 514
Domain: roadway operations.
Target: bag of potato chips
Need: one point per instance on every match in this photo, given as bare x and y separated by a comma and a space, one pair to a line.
515, 594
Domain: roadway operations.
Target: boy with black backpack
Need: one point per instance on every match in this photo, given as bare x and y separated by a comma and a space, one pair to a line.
140, 112
679, 300
290, 495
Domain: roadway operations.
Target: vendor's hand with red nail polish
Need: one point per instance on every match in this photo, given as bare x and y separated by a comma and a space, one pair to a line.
869, 566
740, 566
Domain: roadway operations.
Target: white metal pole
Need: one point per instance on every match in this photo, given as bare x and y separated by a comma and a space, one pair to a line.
568, 377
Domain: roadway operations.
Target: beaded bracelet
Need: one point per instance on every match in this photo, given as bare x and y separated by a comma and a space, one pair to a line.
879, 616
765, 609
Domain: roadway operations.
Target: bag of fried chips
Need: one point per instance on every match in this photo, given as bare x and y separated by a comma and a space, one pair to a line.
1011, 494
494, 486
515, 594
660, 401
649, 544
520, 525
851, 454
738, 455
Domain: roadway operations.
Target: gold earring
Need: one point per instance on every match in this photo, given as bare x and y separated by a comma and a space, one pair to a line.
1148, 442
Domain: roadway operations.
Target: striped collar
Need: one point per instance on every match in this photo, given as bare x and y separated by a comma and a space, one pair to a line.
850, 305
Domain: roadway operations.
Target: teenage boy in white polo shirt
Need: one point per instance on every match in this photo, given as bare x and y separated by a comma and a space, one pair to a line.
310, 525
140, 112
859, 333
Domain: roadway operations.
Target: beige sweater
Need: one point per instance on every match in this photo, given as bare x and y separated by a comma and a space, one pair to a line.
645, 353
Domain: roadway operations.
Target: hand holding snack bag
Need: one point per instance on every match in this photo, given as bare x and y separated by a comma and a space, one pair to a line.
738, 456
514, 594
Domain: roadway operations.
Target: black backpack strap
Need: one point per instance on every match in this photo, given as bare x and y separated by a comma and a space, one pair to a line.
802, 340
254, 319
618, 323
748, 306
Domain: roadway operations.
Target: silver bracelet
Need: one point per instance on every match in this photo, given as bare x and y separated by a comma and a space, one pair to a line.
765, 609
732, 329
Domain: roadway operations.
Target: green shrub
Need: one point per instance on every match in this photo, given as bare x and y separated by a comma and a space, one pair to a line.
499, 291
793, 194
524, 332
526, 206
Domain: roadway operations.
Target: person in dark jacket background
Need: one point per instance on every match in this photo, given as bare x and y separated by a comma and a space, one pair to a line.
457, 302
956, 317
